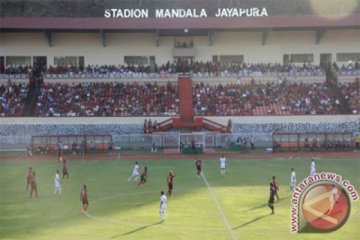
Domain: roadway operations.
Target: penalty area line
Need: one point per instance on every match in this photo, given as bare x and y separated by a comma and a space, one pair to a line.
221, 211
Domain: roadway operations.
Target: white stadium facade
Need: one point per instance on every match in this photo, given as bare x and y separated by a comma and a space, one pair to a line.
148, 31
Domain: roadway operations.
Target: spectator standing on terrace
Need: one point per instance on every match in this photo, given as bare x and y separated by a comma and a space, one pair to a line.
145, 126
153, 148
92, 147
110, 147
149, 128
82, 147
60, 150
29, 150
193, 146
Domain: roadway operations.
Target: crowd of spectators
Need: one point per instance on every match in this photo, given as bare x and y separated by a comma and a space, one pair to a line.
107, 99
265, 99
198, 68
351, 92
133, 99
12, 99
15, 69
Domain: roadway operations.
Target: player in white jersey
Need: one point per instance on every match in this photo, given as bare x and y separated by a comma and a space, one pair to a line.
222, 160
57, 184
334, 199
312, 167
292, 179
135, 173
163, 201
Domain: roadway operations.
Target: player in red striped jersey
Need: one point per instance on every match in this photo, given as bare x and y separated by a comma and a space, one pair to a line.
276, 187
84, 199
170, 182
198, 163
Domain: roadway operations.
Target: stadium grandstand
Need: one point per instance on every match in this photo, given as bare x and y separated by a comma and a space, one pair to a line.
182, 66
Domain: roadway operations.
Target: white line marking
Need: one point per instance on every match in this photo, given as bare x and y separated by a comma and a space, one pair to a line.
222, 213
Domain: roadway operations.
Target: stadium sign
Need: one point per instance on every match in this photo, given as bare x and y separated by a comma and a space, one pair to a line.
185, 13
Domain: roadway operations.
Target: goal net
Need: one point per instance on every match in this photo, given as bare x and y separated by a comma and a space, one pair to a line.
192, 142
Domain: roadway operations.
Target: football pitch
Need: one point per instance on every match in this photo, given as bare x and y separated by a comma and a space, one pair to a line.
210, 208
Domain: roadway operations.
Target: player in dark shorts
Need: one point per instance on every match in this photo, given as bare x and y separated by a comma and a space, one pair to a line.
28, 179
170, 182
33, 185
84, 199
198, 163
276, 187
271, 198
144, 177
65, 170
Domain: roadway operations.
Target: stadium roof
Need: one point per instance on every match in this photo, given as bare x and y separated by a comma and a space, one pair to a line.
280, 22
171, 17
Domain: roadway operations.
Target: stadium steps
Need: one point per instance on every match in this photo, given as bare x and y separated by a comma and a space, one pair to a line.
186, 99
196, 125
343, 107
31, 100
187, 119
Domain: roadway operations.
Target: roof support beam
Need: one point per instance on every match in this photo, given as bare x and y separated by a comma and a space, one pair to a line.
211, 36
103, 37
319, 34
157, 38
265, 35
49, 38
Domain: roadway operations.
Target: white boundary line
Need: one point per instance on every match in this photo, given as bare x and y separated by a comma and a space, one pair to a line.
222, 213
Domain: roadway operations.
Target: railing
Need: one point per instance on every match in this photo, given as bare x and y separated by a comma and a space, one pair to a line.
224, 74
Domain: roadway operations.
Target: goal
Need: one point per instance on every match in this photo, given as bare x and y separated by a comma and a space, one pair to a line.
192, 142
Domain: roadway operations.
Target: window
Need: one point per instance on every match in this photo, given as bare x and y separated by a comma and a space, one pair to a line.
346, 57
136, 60
81, 63
301, 58
231, 58
66, 60
12, 60
183, 42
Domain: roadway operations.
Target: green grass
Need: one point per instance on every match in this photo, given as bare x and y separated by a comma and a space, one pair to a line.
120, 210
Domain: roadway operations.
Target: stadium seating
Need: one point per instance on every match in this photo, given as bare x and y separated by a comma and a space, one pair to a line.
12, 99
152, 100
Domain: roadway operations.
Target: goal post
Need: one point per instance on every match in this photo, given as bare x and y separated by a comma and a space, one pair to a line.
191, 142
